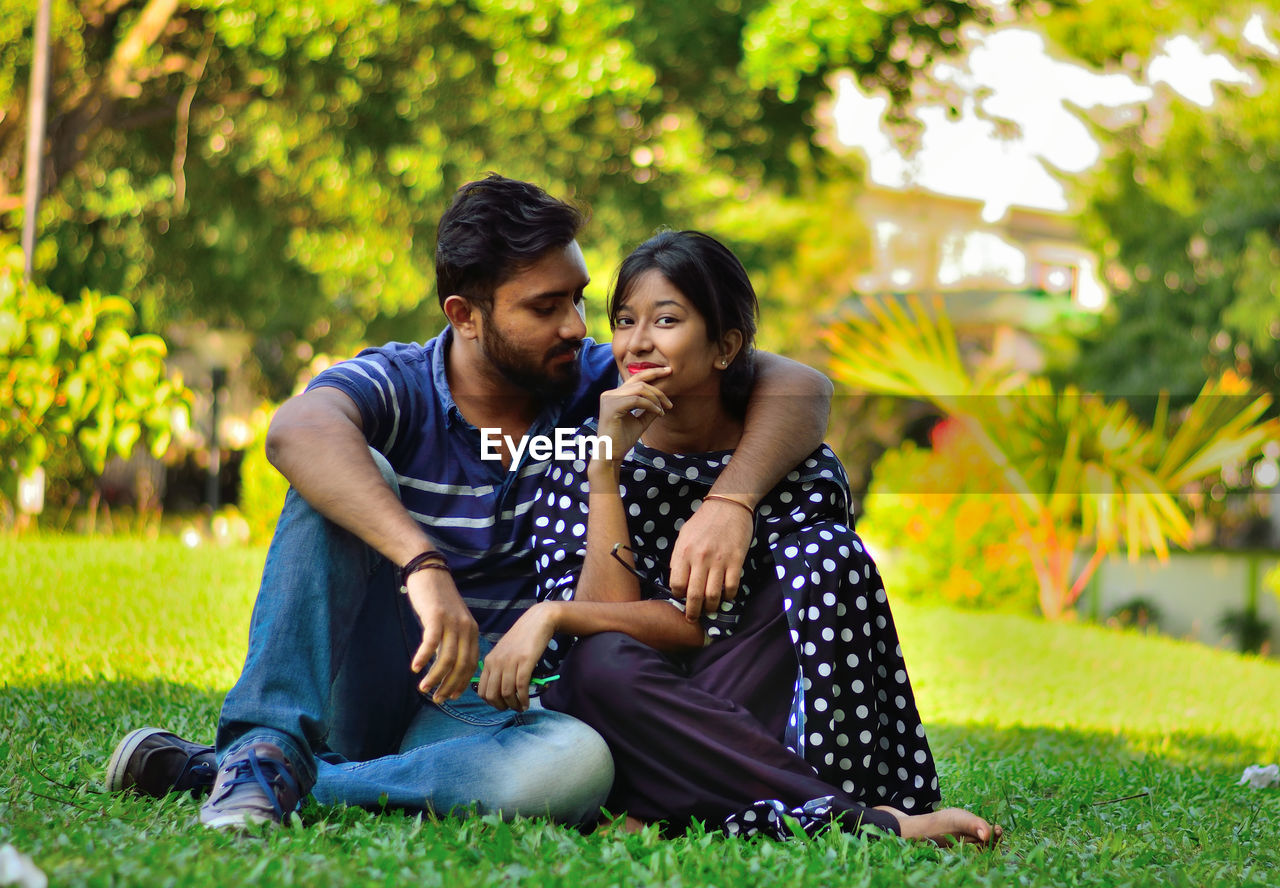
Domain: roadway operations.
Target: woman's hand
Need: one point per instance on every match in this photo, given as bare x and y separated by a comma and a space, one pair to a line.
625, 412
508, 668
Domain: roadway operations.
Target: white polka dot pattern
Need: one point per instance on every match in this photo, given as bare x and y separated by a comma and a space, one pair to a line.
852, 689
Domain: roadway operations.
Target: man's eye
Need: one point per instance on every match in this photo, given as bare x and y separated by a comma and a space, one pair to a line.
544, 312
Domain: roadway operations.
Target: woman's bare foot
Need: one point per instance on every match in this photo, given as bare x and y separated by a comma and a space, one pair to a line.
946, 827
625, 825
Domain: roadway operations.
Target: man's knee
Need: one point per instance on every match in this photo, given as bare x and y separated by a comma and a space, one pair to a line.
564, 772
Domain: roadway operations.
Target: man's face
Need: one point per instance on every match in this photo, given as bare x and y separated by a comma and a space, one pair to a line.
534, 331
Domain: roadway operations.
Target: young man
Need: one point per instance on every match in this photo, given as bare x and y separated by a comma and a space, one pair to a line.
391, 491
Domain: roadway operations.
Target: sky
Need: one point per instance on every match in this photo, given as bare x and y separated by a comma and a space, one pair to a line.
965, 157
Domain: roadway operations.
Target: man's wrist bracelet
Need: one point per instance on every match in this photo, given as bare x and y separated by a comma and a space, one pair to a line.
729, 499
429, 560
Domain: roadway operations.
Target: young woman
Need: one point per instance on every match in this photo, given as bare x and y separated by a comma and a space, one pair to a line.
791, 699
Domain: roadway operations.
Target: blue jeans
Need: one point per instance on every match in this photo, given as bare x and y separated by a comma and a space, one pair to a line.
327, 679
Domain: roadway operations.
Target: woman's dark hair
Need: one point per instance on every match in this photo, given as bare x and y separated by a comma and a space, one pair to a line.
495, 227
707, 273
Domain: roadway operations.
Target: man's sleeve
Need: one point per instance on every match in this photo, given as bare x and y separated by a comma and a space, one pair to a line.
388, 405
597, 374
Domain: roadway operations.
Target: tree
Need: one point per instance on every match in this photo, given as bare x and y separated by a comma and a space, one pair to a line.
1186, 210
279, 166
1073, 470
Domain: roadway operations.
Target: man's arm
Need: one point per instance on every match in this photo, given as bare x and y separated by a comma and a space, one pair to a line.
316, 441
786, 421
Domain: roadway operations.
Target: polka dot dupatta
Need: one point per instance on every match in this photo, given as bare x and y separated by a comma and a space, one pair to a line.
853, 715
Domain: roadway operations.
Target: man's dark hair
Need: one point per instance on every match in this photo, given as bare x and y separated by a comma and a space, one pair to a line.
710, 276
495, 227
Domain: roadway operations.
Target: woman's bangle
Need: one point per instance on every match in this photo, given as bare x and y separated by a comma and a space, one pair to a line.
729, 499
429, 560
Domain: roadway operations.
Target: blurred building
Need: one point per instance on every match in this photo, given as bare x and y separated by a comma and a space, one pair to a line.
999, 280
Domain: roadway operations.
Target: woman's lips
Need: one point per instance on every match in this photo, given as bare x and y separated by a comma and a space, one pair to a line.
642, 365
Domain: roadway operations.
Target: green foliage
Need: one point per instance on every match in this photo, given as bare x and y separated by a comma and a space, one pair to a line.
1077, 470
938, 526
262, 488
1195, 295
1044, 728
1250, 630
75, 384
280, 167
1110, 33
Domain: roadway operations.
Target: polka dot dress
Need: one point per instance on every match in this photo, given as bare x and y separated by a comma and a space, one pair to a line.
853, 714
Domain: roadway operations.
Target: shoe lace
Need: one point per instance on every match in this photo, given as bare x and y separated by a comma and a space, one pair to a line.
271, 776
191, 775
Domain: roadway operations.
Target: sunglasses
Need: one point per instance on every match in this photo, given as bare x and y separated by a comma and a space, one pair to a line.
539, 682
651, 567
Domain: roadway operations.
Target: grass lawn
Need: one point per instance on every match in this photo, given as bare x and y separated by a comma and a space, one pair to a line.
1110, 759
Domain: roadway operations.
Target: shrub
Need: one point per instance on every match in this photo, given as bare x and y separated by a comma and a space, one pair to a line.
76, 384
941, 532
262, 488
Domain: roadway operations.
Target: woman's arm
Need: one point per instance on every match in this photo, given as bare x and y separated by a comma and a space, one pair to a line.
602, 577
625, 412
658, 624
786, 421
508, 668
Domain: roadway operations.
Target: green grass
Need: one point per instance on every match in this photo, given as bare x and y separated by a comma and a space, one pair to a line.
1048, 730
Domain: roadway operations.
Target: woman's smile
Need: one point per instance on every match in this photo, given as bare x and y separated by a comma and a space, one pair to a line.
637, 366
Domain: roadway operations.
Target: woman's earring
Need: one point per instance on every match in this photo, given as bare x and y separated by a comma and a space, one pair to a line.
724, 362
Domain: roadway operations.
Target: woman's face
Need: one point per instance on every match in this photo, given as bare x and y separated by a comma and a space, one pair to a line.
656, 326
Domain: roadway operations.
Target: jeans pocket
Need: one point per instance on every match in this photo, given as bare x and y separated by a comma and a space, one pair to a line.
470, 708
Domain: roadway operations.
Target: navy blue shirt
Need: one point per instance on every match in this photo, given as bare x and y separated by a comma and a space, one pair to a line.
476, 511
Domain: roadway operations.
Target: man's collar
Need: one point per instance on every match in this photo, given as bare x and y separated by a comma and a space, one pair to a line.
440, 377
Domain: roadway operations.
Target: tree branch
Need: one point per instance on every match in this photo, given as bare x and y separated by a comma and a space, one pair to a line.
74, 131
122, 69
184, 127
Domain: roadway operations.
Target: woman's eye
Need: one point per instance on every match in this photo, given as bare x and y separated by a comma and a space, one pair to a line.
666, 321
622, 322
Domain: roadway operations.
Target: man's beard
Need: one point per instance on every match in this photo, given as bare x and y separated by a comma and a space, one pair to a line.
530, 373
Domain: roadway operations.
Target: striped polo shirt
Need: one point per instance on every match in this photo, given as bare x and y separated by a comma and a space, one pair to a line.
476, 511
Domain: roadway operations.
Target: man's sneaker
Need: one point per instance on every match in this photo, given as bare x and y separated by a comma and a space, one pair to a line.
154, 762
256, 785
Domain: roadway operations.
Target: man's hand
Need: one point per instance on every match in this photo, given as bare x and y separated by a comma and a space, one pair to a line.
508, 668
706, 563
449, 632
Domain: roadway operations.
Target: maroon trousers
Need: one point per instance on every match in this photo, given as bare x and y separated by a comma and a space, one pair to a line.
698, 735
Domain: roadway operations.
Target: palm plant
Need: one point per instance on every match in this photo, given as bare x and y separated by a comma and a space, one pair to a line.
1078, 474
